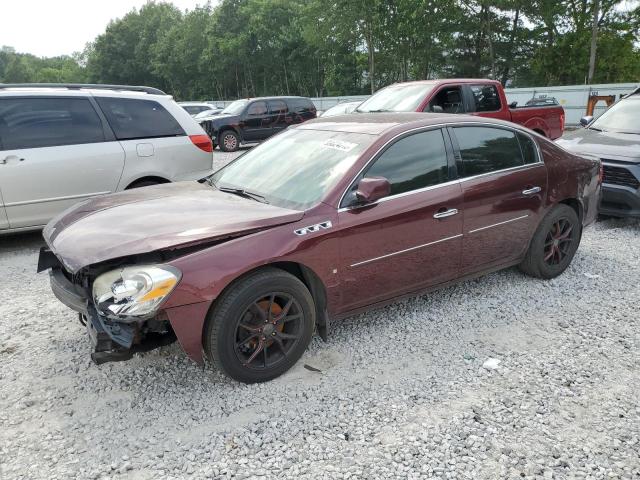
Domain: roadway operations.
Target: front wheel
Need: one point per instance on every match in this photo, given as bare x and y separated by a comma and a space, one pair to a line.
554, 244
229, 141
260, 326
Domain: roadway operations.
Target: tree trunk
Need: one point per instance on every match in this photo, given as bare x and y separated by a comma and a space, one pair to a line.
594, 40
512, 40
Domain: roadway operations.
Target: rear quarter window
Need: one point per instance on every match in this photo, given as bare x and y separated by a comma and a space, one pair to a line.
133, 118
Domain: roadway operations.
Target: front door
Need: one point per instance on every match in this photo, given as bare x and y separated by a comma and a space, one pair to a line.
409, 240
55, 152
255, 121
504, 184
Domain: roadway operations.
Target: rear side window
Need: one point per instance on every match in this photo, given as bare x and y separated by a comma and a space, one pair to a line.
528, 147
48, 122
413, 162
487, 149
277, 106
301, 105
131, 118
486, 98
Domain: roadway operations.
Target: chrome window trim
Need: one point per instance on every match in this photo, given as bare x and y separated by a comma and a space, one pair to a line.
515, 128
504, 170
364, 262
498, 224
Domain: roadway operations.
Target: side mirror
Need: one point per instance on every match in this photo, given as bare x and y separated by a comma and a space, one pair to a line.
584, 121
513, 104
437, 109
372, 189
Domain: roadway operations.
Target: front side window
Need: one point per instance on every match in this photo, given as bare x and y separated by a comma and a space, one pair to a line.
296, 169
413, 162
487, 149
486, 98
132, 118
235, 108
257, 108
48, 122
447, 100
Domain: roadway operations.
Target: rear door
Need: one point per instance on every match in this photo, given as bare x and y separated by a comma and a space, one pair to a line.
278, 111
504, 183
56, 151
155, 143
411, 239
256, 120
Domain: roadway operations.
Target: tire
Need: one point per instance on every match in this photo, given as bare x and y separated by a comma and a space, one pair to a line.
237, 326
229, 141
554, 244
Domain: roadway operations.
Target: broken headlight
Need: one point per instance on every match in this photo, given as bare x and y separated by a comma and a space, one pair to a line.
134, 291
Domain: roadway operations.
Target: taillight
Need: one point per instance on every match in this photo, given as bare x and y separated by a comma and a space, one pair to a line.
562, 122
203, 142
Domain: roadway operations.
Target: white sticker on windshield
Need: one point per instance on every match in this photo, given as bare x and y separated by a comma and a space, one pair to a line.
339, 145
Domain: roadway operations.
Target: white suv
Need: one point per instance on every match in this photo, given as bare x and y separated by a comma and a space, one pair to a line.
61, 143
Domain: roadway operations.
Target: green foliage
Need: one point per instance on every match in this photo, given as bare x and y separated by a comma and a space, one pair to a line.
241, 48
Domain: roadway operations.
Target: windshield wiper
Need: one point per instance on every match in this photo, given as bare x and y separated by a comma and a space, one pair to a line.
594, 128
244, 193
378, 110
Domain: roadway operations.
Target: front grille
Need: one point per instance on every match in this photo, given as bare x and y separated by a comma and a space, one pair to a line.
207, 126
620, 176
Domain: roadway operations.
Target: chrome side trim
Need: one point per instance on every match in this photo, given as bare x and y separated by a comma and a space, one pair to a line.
497, 224
55, 199
506, 170
364, 262
513, 128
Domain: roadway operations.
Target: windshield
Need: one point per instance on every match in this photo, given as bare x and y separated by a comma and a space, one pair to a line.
623, 117
236, 107
296, 168
397, 98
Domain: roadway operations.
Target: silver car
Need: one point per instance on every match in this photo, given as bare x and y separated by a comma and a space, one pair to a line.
62, 143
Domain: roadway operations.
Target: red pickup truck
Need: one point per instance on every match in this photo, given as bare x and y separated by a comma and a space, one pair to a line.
484, 98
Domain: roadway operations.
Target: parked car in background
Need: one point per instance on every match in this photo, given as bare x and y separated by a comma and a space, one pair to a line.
483, 98
614, 137
539, 102
332, 217
340, 109
207, 113
194, 108
63, 143
256, 119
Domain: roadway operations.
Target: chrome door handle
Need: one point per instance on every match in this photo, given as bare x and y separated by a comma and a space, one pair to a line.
446, 213
10, 157
531, 191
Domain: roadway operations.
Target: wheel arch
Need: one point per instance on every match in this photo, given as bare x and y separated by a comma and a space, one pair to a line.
576, 205
147, 178
226, 128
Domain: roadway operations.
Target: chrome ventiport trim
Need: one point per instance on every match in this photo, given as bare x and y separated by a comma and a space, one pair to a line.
314, 228
404, 251
498, 224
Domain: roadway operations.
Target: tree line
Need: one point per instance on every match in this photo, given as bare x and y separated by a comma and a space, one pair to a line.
241, 48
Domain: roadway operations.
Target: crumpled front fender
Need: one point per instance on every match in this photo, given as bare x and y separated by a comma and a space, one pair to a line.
187, 322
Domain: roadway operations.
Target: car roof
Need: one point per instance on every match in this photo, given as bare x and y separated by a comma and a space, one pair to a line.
445, 80
84, 92
384, 122
283, 97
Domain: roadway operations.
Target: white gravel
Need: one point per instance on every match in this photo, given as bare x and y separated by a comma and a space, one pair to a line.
402, 391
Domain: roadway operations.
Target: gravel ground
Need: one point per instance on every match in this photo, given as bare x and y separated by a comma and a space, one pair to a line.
401, 391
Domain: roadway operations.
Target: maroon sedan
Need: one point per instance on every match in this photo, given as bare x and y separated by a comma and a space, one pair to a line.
324, 220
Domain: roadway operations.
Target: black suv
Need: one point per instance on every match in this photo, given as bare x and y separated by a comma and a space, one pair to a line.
256, 119
614, 138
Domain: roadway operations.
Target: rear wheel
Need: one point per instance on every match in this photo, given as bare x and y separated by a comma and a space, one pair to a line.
554, 244
229, 141
260, 327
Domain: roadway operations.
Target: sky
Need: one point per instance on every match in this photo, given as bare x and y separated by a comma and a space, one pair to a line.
48, 28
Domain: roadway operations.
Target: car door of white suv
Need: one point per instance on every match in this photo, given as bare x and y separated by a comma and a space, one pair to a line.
55, 151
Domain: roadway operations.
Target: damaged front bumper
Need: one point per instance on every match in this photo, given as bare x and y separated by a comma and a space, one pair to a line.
112, 339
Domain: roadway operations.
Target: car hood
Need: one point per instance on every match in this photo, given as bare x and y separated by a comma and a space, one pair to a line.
155, 218
623, 146
220, 117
